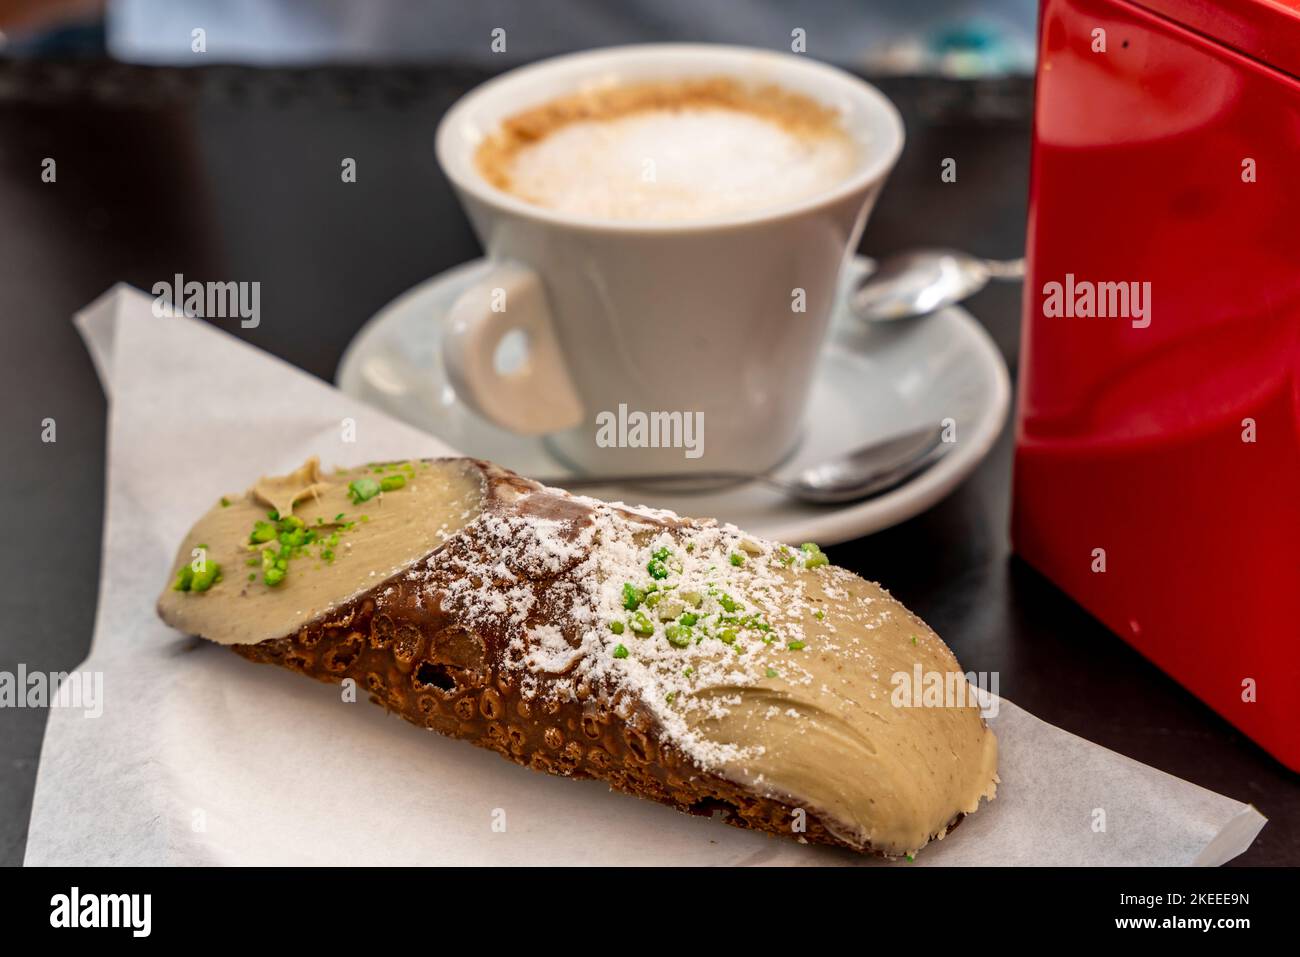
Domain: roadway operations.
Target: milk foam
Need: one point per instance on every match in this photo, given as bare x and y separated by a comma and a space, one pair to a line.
671, 165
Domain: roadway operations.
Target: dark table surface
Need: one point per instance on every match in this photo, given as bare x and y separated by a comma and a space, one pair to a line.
229, 173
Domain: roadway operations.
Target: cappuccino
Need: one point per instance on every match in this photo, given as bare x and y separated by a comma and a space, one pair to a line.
669, 151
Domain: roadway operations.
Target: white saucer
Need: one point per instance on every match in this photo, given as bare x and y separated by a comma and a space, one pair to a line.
874, 381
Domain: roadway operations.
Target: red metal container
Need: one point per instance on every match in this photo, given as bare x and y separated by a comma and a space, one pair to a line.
1157, 475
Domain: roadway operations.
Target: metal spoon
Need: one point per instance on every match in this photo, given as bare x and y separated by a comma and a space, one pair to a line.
923, 280
856, 475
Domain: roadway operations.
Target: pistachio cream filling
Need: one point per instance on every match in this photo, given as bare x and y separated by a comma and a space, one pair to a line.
785, 669
262, 564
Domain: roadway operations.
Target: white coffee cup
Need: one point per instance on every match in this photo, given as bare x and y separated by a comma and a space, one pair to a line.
698, 317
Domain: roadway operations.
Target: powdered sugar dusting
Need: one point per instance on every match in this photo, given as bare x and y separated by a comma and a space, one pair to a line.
634, 606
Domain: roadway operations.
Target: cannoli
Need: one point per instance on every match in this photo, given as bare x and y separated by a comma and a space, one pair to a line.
677, 659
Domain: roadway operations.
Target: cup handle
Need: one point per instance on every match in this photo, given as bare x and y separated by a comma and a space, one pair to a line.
537, 397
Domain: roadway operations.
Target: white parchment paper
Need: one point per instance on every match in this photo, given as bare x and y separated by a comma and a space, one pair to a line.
201, 757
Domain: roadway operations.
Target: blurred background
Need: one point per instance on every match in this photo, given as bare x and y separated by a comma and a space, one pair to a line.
952, 37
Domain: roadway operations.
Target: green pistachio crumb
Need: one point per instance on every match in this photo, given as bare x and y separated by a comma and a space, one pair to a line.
814, 557
796, 646
617, 628
275, 566
620, 651
736, 559
632, 596
679, 636
205, 579
391, 483
363, 490
658, 564
225, 502
771, 672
